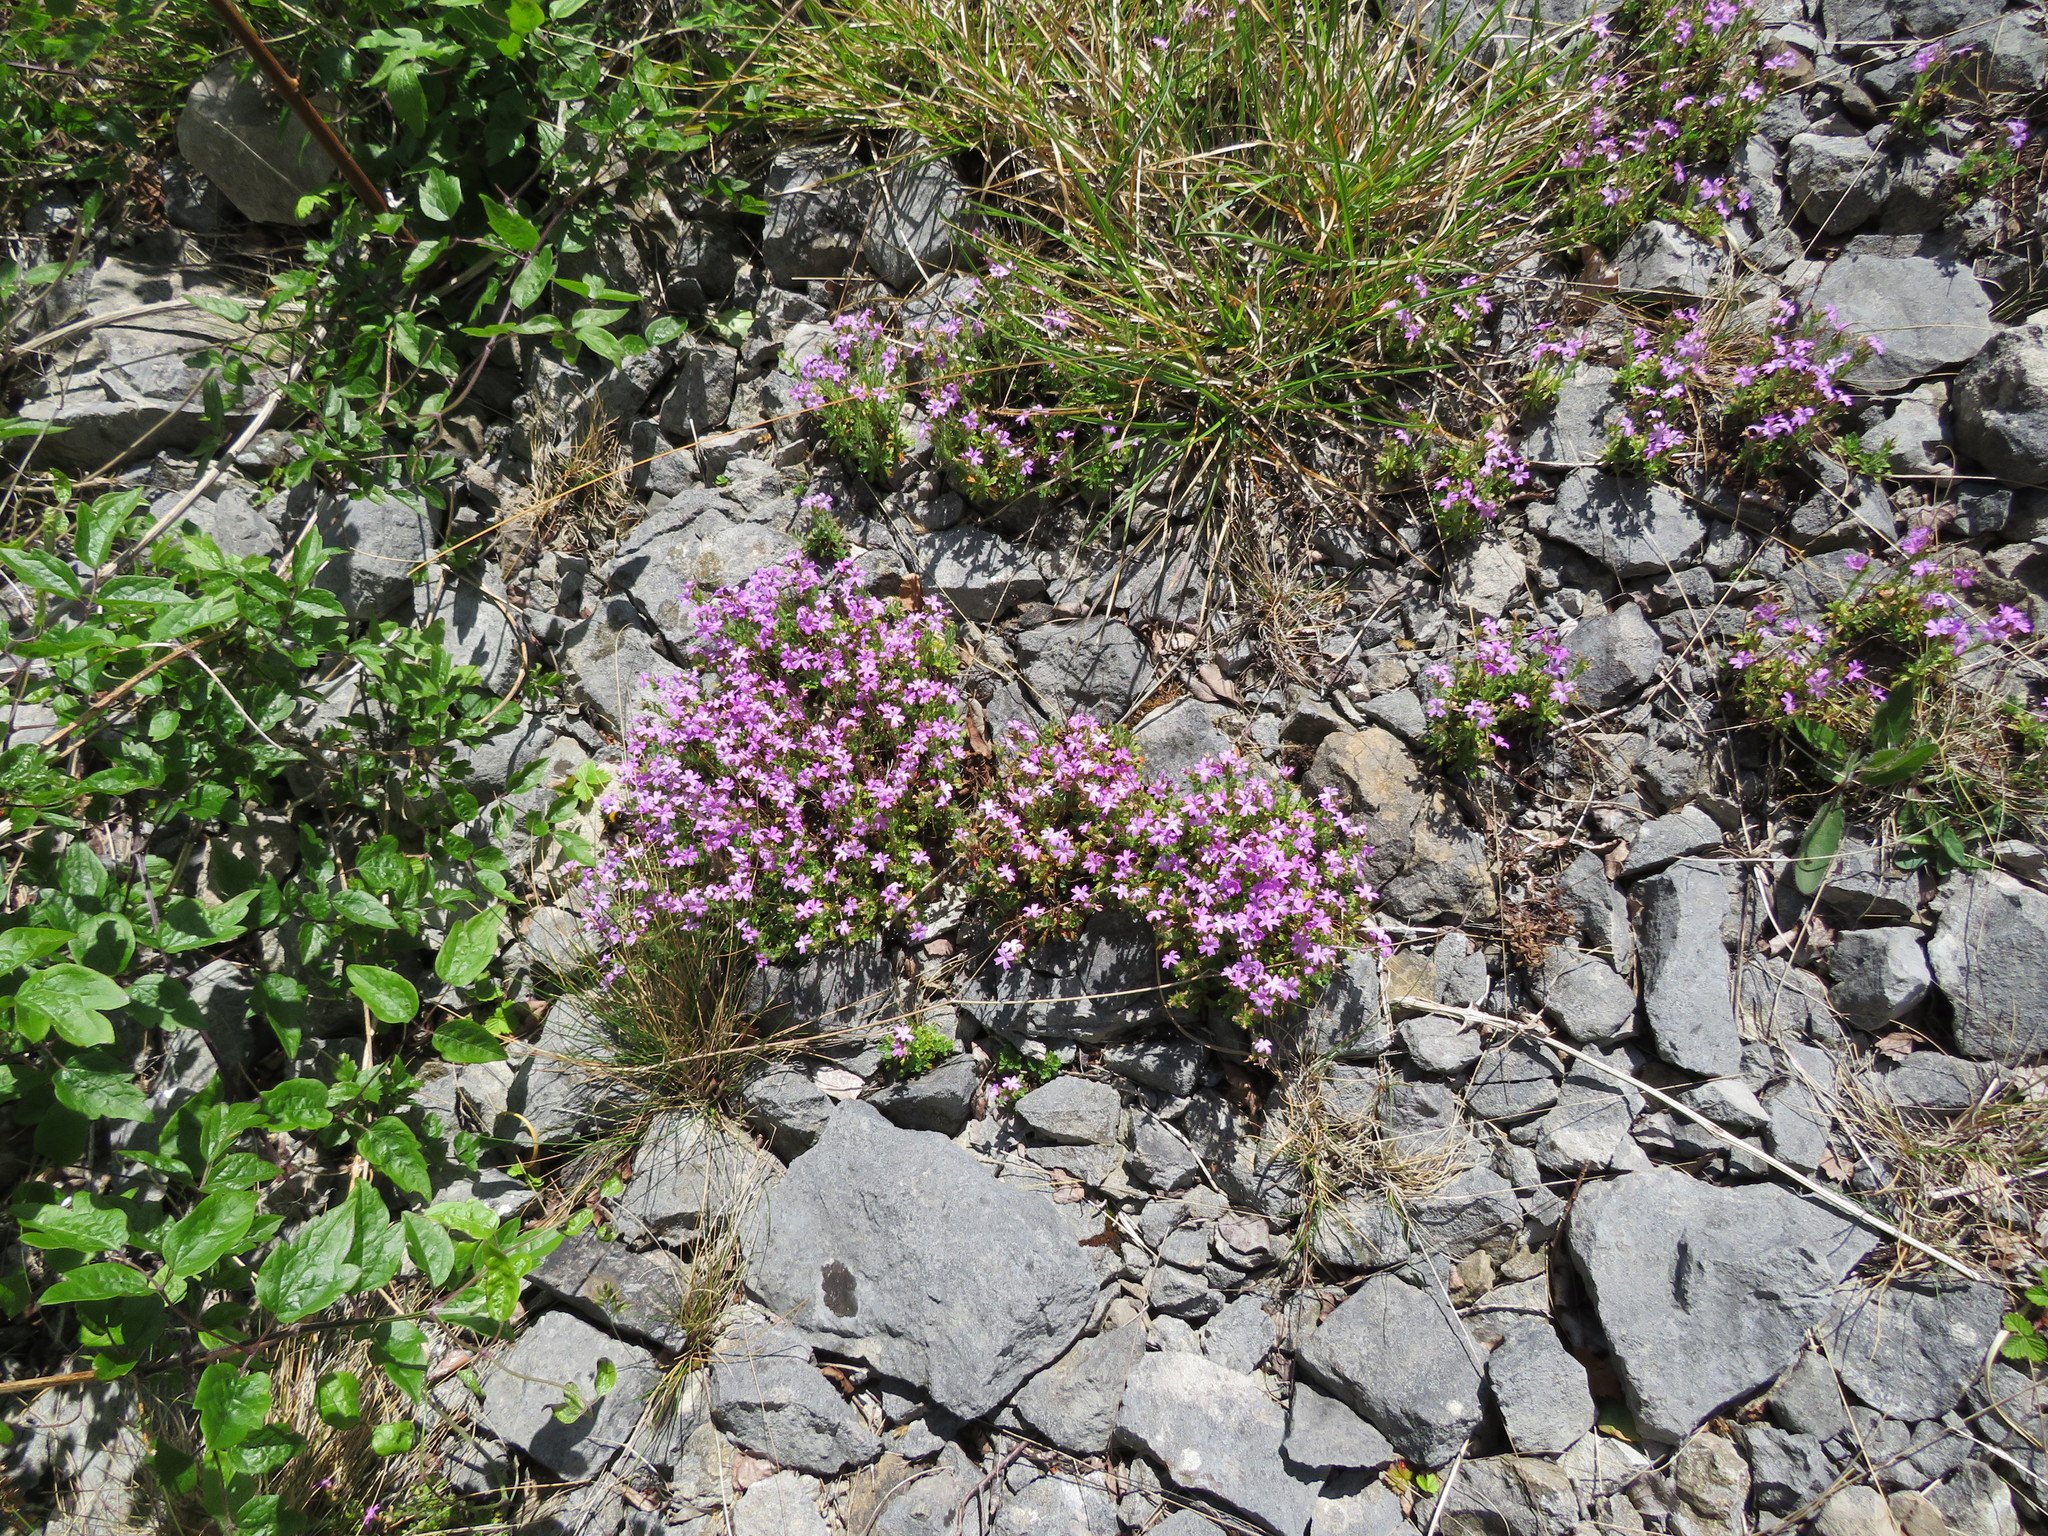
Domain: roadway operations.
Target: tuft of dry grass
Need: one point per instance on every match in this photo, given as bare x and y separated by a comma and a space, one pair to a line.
577, 500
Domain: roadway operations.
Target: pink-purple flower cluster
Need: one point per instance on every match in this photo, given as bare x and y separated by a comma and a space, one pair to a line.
1512, 681
1783, 400
795, 778
1473, 494
1655, 381
1240, 877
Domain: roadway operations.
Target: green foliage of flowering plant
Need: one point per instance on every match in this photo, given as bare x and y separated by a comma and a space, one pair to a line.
1513, 684
916, 1047
2026, 1341
1893, 695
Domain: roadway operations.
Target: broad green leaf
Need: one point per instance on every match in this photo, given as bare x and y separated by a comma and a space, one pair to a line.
432, 1251
511, 226
298, 1104
1892, 722
440, 195
163, 1002
362, 908
607, 1377
468, 1216
394, 1438
209, 1232
232, 1407
533, 278
24, 946
470, 947
339, 1399
422, 256
80, 872
85, 1222
394, 1151
146, 591
42, 572
464, 1041
214, 304
70, 1000
96, 1282
100, 523
399, 1350
265, 1450
240, 1170
100, 1093
663, 330
1895, 765
311, 1271
1822, 741
1818, 848
408, 100
379, 1248
388, 995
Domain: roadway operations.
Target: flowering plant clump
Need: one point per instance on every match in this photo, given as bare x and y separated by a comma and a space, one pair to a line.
1785, 403
797, 777
1513, 684
915, 1048
1240, 877
855, 386
1870, 690
1476, 485
1673, 89
1655, 384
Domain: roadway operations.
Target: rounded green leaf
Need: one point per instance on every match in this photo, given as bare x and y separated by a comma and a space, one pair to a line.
232, 1407
394, 1438
388, 995
465, 1041
470, 947
210, 1231
339, 1399
97, 1282
391, 1148
440, 195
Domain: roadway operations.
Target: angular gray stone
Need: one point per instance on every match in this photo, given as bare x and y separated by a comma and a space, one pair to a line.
981, 574
1057, 1503
1855, 1511
1633, 527
910, 230
1487, 577
1100, 985
1514, 1081
1785, 1470
1159, 1159
1622, 653
1658, 843
1583, 997
1808, 1400
785, 1504
605, 658
1172, 740
231, 518
2001, 405
1348, 1022
1929, 314
476, 633
1096, 667
689, 1173
1602, 911
1073, 1111
768, 1395
1322, 1432
788, 1107
526, 1383
700, 400
1975, 1501
1880, 974
1401, 1360
1073, 1401
1215, 1432
1241, 1335
692, 544
940, 1100
1990, 955
1705, 1293
1686, 973
637, 1294
831, 993
1582, 1134
898, 1248
1933, 1082
1668, 259
381, 542
1360, 1233
1172, 1067
1471, 1211
1544, 1397
1575, 429
1426, 860
1909, 1348
1518, 1495
1359, 1505
240, 137
1837, 184
818, 200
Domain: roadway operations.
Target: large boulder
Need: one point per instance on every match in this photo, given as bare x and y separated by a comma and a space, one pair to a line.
898, 1248
239, 136
1705, 1292
2001, 405
1426, 860
1990, 955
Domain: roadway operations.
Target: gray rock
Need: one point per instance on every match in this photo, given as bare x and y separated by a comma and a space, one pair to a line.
1322, 1432
1837, 184
1658, 843
1099, 985
1601, 910
1182, 1293
1880, 974
980, 574
1686, 979
1583, 997
1073, 1111
1439, 1046
1705, 1293
1057, 1505
1934, 1083
1241, 1335
1514, 1081
1487, 578
241, 138
1855, 1511
1359, 1506
832, 993
1808, 1400
1348, 1022
788, 1107
938, 1274
1728, 1102
941, 1100
1582, 1134
560, 1099
1172, 740
818, 205
1545, 1400
1171, 1067
1909, 1348
526, 1383
1913, 434
1096, 667
690, 1173
1476, 1208
1398, 1357
476, 633
1159, 1159
1186, 1523
381, 542
1520, 1495
605, 658
1919, 191
492, 762
767, 1395
1622, 654
231, 518
1400, 712
925, 1508
663, 562
1633, 527
2001, 405
1865, 883
1073, 1401
1669, 259
700, 400
785, 1504
636, 1294
910, 231
1799, 1126
1928, 313
1427, 861
1575, 429
1785, 1470
1215, 1432
1990, 955
1360, 1233
1975, 1501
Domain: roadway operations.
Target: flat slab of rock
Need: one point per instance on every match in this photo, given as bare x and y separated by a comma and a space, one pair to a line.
1688, 997
1928, 314
900, 1249
1633, 527
1426, 860
1073, 1402
979, 573
767, 1394
1705, 1292
535, 1376
1910, 1348
1990, 954
639, 1294
1398, 1357
1216, 1432
687, 1173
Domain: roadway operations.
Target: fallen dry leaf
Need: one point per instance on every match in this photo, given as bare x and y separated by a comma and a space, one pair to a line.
1835, 1166
1898, 1045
